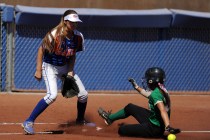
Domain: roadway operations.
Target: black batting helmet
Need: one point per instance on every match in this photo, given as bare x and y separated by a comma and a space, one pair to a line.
153, 76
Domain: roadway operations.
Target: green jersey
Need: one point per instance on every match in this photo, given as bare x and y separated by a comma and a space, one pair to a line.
155, 98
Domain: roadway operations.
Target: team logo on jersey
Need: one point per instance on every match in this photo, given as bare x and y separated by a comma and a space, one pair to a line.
66, 48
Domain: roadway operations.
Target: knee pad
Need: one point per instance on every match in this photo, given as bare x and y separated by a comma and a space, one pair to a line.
50, 98
83, 94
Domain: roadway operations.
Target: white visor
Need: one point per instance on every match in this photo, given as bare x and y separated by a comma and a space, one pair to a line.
72, 18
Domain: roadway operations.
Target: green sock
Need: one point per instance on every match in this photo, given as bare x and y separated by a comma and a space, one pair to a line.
118, 115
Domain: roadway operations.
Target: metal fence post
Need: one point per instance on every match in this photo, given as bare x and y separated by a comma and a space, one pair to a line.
9, 61
0, 50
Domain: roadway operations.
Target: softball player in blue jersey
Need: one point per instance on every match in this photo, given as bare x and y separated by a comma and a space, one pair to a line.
153, 122
56, 57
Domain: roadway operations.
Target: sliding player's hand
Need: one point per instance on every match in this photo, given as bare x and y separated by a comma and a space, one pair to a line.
172, 130
133, 82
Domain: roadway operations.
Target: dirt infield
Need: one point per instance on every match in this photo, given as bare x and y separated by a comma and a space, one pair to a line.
189, 112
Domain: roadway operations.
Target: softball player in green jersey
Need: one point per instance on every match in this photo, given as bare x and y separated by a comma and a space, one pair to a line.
153, 122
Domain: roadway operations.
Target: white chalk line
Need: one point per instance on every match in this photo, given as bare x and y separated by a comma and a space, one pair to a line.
11, 134
42, 132
97, 130
49, 132
13, 123
195, 131
25, 133
43, 123
92, 124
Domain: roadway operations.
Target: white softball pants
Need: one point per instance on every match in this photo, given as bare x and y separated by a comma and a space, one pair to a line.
51, 73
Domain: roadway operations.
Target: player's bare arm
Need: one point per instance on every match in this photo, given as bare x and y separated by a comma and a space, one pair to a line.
143, 92
71, 65
139, 89
38, 73
163, 113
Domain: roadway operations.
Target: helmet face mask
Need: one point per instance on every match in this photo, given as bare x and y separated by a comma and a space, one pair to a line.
153, 76
144, 84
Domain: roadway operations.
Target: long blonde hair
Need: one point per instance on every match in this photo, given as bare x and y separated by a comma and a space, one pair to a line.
60, 34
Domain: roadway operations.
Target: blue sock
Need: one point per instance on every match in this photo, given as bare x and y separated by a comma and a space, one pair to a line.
40, 107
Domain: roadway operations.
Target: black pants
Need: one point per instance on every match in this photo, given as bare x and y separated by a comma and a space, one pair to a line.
144, 129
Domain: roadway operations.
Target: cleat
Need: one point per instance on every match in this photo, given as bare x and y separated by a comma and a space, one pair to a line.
28, 127
105, 116
85, 123
81, 122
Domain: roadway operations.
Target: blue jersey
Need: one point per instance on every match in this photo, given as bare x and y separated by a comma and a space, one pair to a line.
62, 51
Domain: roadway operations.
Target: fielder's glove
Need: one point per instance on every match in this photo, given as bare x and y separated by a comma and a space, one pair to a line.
69, 86
172, 130
133, 82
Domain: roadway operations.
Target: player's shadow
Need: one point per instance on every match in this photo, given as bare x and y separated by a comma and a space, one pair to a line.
53, 132
67, 124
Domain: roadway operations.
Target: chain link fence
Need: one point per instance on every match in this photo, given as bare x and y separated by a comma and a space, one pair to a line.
112, 55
